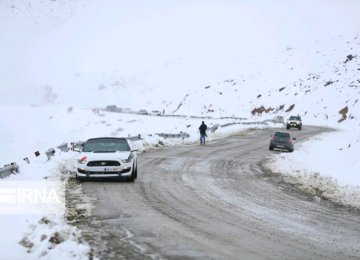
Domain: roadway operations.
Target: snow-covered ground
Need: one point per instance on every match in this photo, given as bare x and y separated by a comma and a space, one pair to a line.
44, 232
32, 214
324, 167
62, 59
310, 164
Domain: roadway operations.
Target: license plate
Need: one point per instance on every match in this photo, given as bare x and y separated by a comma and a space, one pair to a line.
110, 170
280, 146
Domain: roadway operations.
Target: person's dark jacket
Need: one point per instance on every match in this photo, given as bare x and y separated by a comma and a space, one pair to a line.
202, 129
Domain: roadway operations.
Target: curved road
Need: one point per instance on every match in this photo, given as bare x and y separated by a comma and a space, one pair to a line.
215, 202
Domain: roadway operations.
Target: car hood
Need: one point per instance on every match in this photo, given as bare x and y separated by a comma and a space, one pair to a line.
91, 156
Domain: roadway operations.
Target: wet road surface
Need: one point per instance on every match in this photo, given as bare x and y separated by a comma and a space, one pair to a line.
215, 202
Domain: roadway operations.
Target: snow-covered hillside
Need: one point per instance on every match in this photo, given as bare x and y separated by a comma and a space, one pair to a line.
317, 81
250, 59
321, 83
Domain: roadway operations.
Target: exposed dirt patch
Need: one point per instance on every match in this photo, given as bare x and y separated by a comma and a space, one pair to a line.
328, 83
343, 112
280, 108
57, 238
78, 205
181, 103
349, 58
25, 242
261, 110
290, 108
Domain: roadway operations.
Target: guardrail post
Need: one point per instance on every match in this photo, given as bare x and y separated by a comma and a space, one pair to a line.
8, 170
63, 147
49, 153
14, 168
181, 135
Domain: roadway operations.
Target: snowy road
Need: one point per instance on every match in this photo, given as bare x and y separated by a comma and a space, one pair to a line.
215, 202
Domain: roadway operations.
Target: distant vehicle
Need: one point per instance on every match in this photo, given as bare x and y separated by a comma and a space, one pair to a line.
282, 141
155, 113
126, 110
113, 108
106, 157
294, 121
278, 119
143, 112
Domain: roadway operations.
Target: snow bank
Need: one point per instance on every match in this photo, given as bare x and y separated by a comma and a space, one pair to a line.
324, 167
32, 221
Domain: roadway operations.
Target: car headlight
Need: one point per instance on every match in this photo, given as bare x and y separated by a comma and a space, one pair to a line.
82, 160
128, 160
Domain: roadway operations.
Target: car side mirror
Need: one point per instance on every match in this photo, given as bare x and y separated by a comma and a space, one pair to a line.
294, 138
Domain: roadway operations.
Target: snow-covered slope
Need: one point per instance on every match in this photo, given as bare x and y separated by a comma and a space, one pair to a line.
60, 59
91, 53
318, 81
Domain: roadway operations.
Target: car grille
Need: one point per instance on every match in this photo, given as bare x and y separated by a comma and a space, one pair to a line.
98, 172
103, 163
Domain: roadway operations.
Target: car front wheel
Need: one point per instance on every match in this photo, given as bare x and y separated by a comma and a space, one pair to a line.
133, 175
78, 178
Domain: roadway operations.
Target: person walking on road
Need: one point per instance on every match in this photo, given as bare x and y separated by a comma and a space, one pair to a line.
202, 130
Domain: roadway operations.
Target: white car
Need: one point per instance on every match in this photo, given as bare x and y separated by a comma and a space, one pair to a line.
294, 121
143, 112
106, 157
155, 113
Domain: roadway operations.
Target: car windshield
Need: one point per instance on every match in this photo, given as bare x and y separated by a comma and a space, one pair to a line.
106, 146
282, 135
295, 118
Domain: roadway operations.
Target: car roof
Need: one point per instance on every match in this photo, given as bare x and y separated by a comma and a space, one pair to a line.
284, 133
106, 139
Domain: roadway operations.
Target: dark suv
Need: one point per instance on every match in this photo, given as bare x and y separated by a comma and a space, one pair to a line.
282, 141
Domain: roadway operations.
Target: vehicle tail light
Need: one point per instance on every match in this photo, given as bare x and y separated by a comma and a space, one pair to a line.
290, 140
